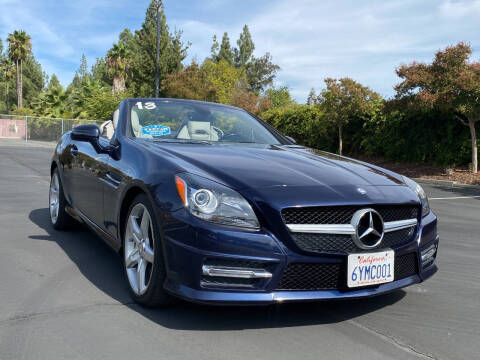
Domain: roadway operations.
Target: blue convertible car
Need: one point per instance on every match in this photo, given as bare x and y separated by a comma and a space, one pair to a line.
208, 203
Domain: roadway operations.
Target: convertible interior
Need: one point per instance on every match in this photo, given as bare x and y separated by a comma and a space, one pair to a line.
194, 127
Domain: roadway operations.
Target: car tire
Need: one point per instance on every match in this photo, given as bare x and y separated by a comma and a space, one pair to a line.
142, 252
59, 217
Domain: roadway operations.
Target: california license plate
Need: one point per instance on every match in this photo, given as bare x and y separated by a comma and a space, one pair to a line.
370, 268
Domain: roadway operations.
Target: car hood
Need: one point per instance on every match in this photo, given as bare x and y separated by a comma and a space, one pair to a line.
245, 166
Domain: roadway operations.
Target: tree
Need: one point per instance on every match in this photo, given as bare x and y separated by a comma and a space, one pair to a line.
83, 69
52, 102
172, 53
224, 79
100, 72
54, 82
214, 48
312, 98
189, 83
450, 83
33, 79
245, 44
344, 99
7, 69
81, 75
94, 101
225, 52
19, 47
118, 62
308, 125
251, 102
279, 97
261, 72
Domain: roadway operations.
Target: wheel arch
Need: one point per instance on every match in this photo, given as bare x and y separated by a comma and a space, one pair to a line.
53, 166
132, 192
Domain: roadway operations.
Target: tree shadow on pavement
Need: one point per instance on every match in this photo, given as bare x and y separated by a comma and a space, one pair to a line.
103, 268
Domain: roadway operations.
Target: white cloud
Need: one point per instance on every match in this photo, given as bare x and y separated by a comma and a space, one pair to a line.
309, 39
313, 39
460, 9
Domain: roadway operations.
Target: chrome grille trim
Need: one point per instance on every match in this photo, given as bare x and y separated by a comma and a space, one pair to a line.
399, 225
340, 229
347, 229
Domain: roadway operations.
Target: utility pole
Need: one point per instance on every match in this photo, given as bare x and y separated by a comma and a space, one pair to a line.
158, 7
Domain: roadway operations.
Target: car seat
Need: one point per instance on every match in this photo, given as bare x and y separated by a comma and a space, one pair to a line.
136, 127
107, 128
197, 128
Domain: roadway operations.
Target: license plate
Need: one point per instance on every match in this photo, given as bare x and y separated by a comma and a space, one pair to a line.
370, 268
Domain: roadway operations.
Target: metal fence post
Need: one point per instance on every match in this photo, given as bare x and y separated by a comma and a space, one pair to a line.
26, 128
62, 128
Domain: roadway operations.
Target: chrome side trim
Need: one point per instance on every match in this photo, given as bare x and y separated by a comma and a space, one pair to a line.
231, 272
344, 229
399, 225
348, 229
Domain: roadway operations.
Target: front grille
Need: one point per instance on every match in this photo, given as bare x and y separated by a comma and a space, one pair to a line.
343, 214
318, 276
305, 276
344, 244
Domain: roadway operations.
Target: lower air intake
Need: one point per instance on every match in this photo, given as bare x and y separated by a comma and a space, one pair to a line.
318, 276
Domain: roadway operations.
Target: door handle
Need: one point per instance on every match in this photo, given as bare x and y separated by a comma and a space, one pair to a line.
74, 150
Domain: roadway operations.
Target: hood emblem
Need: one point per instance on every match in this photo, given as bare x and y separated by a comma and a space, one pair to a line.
368, 225
361, 191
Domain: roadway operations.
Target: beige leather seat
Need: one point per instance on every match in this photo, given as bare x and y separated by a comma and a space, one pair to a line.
136, 127
107, 129
198, 130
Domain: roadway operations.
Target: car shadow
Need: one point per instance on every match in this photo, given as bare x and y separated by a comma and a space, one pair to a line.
103, 268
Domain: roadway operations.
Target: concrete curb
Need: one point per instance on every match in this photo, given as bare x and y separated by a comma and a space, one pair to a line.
445, 183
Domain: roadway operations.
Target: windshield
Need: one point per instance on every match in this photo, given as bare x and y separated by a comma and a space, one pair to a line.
193, 122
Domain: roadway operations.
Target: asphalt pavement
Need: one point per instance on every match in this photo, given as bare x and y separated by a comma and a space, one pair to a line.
62, 295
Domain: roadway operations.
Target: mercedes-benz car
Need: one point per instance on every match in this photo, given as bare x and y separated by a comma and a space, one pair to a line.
208, 203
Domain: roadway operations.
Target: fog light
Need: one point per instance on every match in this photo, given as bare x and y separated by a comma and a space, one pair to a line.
428, 255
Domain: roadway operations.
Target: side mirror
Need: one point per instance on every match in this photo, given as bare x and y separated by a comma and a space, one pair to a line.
291, 139
88, 132
91, 133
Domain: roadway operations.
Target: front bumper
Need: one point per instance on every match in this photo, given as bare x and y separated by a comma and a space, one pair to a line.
188, 247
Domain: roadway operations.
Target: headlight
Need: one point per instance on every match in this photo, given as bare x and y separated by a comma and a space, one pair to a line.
213, 202
421, 194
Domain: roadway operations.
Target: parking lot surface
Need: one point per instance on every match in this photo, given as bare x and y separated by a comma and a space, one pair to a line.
62, 295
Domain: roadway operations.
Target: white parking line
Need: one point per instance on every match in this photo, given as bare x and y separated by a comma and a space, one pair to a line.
455, 197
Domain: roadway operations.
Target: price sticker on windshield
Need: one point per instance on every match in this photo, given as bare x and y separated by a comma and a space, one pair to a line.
156, 130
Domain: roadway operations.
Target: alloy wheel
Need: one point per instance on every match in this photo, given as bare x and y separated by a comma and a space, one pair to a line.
138, 250
54, 198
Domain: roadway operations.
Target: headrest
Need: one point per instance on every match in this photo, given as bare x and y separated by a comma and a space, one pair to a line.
199, 116
115, 118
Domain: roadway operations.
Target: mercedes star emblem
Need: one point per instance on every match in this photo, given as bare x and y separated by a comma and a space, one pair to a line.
368, 225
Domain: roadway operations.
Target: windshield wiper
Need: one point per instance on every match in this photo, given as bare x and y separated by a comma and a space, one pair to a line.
183, 141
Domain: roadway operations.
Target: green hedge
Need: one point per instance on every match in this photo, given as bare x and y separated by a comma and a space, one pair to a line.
306, 124
417, 136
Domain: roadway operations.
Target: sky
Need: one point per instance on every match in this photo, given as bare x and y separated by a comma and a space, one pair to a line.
309, 39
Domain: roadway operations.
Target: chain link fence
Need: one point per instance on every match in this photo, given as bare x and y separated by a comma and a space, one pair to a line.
38, 128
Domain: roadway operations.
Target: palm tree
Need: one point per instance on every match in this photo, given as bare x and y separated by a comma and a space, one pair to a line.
118, 64
7, 68
52, 102
19, 47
